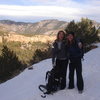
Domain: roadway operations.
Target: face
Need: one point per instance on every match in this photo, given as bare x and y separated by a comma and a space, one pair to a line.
70, 37
61, 36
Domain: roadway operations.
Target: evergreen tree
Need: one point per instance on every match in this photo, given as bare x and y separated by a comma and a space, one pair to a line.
41, 54
71, 27
9, 63
87, 31
84, 30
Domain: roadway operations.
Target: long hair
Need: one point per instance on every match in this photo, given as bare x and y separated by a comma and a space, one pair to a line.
74, 39
59, 33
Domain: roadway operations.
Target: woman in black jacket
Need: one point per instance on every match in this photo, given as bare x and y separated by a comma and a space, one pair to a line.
60, 57
75, 55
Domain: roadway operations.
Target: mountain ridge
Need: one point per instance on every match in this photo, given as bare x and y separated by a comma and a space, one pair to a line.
51, 26
41, 27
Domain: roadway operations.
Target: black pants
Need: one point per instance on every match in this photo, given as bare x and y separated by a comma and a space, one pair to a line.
76, 64
62, 67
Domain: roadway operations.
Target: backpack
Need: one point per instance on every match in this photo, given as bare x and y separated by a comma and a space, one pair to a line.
53, 82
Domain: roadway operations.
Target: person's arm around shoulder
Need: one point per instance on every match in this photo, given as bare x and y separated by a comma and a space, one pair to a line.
80, 45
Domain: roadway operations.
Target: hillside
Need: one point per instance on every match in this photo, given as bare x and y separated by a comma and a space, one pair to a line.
41, 27
27, 39
25, 86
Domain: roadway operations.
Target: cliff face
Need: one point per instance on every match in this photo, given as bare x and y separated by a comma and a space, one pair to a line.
41, 30
25, 39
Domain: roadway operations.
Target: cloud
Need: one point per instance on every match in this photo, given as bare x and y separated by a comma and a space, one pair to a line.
48, 11
59, 9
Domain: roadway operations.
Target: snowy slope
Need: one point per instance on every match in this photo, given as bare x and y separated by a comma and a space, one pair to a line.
25, 86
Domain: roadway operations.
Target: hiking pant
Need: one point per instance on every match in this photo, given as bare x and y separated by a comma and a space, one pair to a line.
76, 64
62, 67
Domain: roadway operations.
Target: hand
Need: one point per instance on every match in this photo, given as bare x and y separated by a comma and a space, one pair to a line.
80, 45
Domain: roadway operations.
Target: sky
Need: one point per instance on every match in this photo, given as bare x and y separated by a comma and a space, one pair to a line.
36, 10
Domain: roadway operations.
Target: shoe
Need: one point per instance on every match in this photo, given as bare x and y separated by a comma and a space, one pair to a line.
80, 91
70, 87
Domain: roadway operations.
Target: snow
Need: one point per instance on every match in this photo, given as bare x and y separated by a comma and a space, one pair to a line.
25, 85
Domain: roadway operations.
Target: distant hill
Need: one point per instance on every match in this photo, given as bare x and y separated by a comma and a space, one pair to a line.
42, 27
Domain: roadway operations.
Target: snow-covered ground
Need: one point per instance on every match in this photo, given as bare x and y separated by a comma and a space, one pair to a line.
25, 85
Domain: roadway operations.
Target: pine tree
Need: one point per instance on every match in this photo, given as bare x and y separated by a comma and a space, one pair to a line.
71, 27
84, 30
9, 63
87, 31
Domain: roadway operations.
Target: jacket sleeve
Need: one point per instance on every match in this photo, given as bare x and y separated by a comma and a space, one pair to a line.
53, 53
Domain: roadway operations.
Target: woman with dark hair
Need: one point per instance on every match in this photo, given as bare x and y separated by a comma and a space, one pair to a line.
59, 57
75, 55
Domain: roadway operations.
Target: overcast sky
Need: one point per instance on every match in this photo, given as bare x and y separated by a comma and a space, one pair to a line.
36, 10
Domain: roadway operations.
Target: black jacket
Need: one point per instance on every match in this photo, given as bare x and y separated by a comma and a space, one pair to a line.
59, 53
74, 50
